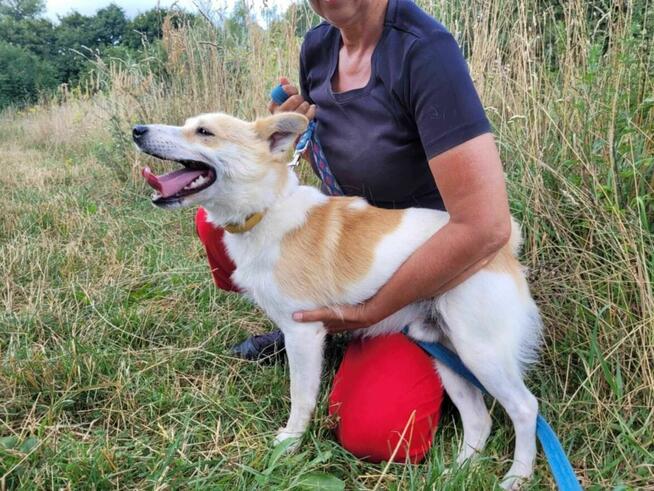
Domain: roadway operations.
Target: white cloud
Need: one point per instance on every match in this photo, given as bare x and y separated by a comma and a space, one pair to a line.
55, 8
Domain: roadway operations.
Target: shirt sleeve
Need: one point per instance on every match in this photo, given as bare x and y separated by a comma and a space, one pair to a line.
441, 96
304, 81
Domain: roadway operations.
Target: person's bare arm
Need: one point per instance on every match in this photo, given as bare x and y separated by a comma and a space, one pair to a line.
471, 181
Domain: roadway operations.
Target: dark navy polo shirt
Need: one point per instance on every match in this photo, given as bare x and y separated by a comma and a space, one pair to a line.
419, 102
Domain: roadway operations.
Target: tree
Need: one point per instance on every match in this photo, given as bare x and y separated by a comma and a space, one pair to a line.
79, 37
37, 55
22, 9
35, 35
22, 75
147, 27
108, 26
237, 24
302, 17
75, 36
26, 42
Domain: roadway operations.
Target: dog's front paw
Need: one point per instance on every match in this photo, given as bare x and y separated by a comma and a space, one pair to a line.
292, 437
513, 483
517, 476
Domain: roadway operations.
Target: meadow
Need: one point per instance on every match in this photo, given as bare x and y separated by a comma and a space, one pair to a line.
114, 362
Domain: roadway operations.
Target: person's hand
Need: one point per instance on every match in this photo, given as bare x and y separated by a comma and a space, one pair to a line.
294, 103
342, 318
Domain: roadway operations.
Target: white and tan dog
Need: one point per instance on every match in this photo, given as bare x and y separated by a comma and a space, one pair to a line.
297, 249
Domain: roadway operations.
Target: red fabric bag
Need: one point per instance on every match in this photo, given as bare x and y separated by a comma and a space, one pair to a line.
221, 264
387, 398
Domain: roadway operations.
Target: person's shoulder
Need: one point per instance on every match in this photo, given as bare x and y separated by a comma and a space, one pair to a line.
413, 23
317, 35
316, 43
319, 31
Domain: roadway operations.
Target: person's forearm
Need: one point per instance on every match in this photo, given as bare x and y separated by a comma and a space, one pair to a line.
452, 255
471, 182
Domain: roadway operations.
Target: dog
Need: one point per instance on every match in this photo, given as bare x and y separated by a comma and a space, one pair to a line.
297, 249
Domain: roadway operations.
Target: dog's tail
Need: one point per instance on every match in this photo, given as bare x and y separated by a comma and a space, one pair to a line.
515, 241
531, 336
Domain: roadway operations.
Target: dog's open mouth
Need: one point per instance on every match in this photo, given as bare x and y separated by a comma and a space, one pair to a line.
193, 178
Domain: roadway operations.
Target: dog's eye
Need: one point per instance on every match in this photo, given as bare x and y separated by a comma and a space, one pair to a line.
204, 132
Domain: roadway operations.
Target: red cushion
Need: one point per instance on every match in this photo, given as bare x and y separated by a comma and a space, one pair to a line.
221, 264
387, 397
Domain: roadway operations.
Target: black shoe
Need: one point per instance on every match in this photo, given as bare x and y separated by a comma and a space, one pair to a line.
262, 346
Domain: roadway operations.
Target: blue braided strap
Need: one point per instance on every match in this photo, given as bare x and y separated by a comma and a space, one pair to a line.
562, 471
305, 138
309, 139
329, 183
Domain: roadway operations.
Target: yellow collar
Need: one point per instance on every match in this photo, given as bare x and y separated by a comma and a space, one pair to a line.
250, 222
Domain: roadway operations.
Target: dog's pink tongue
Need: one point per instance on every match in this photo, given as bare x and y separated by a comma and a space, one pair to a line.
171, 183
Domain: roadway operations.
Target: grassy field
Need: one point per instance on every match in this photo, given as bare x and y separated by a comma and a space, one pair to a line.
114, 371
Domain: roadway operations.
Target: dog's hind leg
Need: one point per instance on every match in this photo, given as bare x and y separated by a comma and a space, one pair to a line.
467, 398
469, 401
504, 382
502, 378
489, 327
304, 348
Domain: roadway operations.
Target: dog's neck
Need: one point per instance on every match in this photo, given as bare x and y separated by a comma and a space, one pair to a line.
249, 223
253, 217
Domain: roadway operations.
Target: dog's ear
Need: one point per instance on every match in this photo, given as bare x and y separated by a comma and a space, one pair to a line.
280, 130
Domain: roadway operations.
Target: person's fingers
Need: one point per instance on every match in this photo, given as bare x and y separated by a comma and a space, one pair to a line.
292, 103
290, 89
313, 315
303, 108
295, 103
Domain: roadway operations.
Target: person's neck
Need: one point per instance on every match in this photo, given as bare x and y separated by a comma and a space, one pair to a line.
365, 30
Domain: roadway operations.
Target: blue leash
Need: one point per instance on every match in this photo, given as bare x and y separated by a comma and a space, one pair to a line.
564, 475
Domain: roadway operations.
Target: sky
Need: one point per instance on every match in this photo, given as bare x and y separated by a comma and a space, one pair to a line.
56, 8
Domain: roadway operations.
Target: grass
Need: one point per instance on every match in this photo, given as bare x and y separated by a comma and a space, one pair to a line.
114, 371
114, 366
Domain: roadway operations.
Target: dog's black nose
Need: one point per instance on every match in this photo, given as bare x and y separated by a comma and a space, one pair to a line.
138, 131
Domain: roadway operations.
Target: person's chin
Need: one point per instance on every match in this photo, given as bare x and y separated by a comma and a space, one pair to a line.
338, 13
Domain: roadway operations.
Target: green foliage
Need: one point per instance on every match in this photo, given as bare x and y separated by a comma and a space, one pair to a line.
63, 53
21, 9
302, 17
108, 26
36, 35
22, 75
145, 28
80, 38
75, 42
